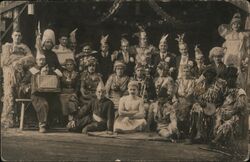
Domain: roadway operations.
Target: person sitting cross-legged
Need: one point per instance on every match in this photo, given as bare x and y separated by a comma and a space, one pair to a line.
97, 116
131, 112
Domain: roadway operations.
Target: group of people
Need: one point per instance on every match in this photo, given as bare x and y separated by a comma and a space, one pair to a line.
135, 88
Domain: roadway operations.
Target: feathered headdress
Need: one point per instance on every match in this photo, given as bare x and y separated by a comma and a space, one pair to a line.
198, 52
180, 38
72, 35
164, 39
104, 39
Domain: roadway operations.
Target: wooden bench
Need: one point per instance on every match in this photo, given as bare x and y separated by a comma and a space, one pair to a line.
23, 101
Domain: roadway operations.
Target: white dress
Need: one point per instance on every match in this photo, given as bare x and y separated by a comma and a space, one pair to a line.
126, 123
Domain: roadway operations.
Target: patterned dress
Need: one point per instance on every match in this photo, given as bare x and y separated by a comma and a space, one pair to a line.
69, 87
116, 88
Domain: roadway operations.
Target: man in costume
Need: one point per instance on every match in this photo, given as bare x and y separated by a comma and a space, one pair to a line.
165, 56
62, 51
105, 63
16, 56
45, 103
125, 55
97, 116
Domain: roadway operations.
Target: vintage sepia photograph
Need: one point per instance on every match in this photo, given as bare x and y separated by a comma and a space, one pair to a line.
125, 80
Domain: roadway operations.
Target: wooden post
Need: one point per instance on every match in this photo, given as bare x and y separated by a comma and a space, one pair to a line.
16, 24
22, 116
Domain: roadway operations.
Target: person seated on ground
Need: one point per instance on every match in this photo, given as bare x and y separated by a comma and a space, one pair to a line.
131, 112
117, 83
185, 88
230, 117
44, 102
98, 115
69, 85
164, 80
162, 114
208, 96
87, 86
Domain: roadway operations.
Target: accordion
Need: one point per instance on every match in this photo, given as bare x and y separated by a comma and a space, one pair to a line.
47, 83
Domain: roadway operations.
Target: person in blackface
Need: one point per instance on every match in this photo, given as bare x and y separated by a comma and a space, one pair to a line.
208, 96
97, 116
15, 57
125, 55
105, 64
230, 117
165, 56
131, 112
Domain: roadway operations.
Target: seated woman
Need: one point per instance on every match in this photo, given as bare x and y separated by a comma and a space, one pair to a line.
98, 115
162, 113
230, 117
88, 82
69, 82
117, 83
131, 112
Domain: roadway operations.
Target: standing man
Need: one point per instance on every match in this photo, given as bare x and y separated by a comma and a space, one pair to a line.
165, 56
61, 50
144, 51
97, 116
105, 64
15, 57
199, 62
125, 55
183, 59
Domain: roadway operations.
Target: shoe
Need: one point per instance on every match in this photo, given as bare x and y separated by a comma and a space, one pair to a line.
42, 130
84, 131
